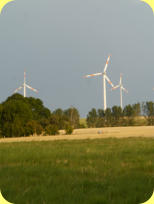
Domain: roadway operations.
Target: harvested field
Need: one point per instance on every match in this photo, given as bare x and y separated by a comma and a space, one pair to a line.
91, 133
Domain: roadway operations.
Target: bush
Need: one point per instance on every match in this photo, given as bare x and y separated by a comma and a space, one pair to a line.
33, 127
52, 130
82, 126
68, 129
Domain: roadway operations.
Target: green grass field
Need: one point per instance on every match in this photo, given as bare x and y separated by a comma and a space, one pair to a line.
105, 171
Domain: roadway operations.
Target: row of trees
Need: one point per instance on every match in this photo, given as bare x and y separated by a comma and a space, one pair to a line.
21, 116
136, 114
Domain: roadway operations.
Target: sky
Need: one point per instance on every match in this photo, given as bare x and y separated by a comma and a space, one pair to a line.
57, 42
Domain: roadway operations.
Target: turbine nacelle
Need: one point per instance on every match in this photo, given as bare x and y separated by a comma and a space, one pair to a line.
105, 78
120, 85
24, 86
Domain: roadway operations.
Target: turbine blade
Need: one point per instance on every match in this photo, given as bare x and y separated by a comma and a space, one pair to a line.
109, 81
115, 87
18, 89
29, 87
124, 89
107, 62
120, 78
91, 75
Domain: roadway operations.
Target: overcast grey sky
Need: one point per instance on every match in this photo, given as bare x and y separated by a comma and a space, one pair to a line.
59, 41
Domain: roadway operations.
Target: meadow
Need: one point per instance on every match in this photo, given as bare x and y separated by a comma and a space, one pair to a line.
98, 171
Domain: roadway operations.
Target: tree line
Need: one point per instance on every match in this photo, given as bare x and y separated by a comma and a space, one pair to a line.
132, 115
21, 116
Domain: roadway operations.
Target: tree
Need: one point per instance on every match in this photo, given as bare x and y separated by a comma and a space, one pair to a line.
128, 111
117, 115
73, 116
101, 118
59, 112
92, 118
38, 109
68, 129
117, 112
101, 113
33, 127
136, 109
21, 116
51, 130
108, 117
60, 118
149, 108
15, 114
149, 112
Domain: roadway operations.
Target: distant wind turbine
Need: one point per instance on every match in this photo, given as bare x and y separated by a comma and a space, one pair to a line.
120, 85
105, 77
24, 86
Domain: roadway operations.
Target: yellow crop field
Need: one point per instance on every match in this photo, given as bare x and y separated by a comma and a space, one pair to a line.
91, 133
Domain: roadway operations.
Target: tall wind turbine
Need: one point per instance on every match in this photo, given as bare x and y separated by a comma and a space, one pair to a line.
105, 77
24, 86
120, 85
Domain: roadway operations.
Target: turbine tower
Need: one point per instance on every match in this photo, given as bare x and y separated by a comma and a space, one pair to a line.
105, 78
24, 86
120, 85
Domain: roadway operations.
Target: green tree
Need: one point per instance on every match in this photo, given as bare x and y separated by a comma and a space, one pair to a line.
73, 116
15, 114
136, 109
117, 114
68, 129
149, 112
101, 113
149, 108
38, 109
33, 127
128, 111
61, 118
92, 118
21, 116
108, 117
51, 130
101, 118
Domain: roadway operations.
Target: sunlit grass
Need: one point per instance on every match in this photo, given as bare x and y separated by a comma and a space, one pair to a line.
106, 171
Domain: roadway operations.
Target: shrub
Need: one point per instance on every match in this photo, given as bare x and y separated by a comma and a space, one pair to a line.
33, 127
52, 130
68, 129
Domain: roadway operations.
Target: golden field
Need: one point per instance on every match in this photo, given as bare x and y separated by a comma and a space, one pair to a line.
91, 133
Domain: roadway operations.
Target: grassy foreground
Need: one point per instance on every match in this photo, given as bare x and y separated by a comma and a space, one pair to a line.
103, 171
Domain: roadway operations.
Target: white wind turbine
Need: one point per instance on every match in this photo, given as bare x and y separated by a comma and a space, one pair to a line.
105, 77
24, 86
120, 85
